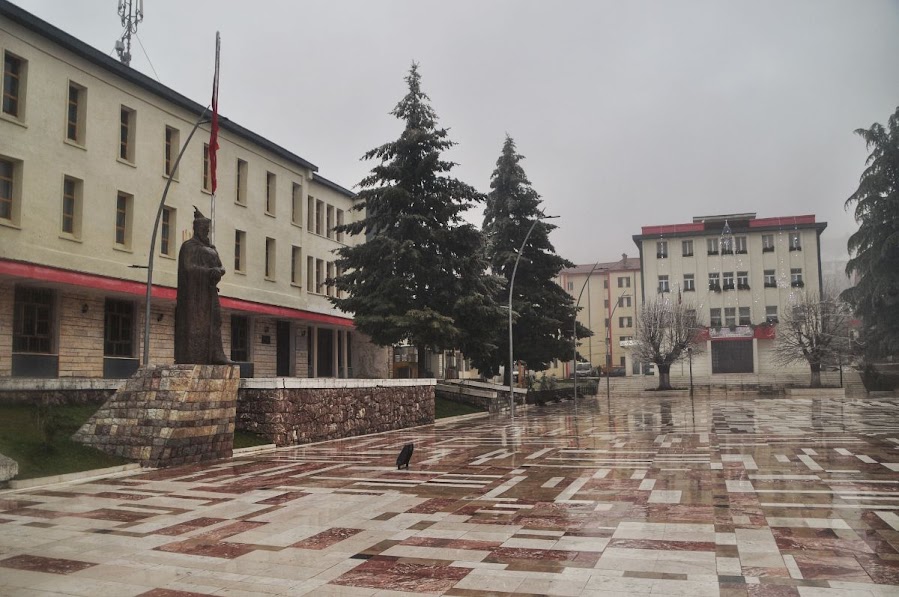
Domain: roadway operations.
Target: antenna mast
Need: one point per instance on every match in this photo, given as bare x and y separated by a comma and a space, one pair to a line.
131, 13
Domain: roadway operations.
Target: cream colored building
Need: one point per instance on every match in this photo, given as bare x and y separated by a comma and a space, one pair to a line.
86, 146
741, 272
608, 304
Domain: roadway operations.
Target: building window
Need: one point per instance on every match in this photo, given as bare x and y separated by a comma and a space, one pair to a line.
71, 206
689, 283
686, 248
796, 277
767, 243
663, 284
33, 320
127, 124
795, 242
319, 217
662, 249
605, 303
770, 281
625, 322
270, 258
742, 280
8, 190
75, 113
339, 224
310, 274
624, 301
607, 322
728, 281
167, 244
296, 266
310, 214
207, 173
319, 276
727, 245
570, 286
624, 282
172, 147
605, 283
330, 221
745, 316
118, 329
241, 187
14, 69
714, 281
740, 243
123, 214
715, 318
240, 250
712, 246
330, 281
240, 339
771, 314
270, 193
296, 204
730, 316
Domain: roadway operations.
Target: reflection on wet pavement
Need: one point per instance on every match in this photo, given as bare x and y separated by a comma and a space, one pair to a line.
735, 496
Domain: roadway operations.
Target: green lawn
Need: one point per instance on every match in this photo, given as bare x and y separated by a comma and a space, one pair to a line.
22, 440
448, 408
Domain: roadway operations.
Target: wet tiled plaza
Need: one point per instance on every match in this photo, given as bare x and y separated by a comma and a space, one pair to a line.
734, 495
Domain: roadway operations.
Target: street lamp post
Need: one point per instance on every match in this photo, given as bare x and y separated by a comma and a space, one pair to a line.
609, 347
574, 332
511, 286
690, 358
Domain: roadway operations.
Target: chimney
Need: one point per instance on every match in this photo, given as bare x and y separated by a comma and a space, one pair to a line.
624, 258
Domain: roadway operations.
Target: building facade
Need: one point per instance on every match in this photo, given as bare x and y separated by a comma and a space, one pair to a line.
740, 272
608, 308
87, 146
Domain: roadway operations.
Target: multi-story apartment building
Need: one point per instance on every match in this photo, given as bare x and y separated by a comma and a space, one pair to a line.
740, 272
608, 308
86, 148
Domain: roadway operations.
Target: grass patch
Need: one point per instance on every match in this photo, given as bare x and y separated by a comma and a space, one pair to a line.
247, 439
449, 408
40, 441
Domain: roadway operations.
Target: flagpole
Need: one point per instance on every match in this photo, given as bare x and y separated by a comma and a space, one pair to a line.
213, 138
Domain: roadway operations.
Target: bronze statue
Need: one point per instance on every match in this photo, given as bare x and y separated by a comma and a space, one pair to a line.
198, 315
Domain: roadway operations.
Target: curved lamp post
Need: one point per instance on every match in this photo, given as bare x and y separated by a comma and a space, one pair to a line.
609, 346
165, 192
574, 333
511, 286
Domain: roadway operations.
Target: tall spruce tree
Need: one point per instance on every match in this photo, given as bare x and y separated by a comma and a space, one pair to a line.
875, 246
543, 312
421, 275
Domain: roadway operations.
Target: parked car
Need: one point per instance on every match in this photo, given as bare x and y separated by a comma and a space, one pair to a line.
583, 370
614, 372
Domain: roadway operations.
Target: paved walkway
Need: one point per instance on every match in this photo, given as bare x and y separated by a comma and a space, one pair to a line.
731, 496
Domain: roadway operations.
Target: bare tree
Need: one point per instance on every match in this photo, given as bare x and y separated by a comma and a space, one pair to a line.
814, 330
665, 330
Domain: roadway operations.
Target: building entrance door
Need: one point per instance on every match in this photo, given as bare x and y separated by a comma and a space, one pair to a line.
283, 355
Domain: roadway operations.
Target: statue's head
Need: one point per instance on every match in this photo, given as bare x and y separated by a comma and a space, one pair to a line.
201, 226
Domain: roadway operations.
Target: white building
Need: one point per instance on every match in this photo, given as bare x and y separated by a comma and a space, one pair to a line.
86, 147
741, 272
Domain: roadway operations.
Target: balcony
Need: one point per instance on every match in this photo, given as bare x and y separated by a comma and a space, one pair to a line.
795, 248
797, 284
728, 286
715, 252
770, 284
715, 287
743, 286
767, 249
661, 255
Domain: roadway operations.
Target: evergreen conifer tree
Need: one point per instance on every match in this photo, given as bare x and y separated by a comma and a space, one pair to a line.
421, 274
543, 312
875, 246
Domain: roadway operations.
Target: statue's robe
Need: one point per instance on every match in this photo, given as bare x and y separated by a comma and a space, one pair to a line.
198, 315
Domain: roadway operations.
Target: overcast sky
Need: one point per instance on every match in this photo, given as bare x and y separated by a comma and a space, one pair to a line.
629, 113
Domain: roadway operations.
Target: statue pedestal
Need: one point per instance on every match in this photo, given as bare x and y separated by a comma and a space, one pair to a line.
168, 415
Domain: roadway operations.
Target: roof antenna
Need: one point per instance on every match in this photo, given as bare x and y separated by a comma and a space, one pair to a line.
131, 13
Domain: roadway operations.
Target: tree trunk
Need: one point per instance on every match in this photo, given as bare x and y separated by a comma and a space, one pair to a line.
664, 376
422, 361
816, 375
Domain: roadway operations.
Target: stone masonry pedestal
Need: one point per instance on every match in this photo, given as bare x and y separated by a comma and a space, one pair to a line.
168, 415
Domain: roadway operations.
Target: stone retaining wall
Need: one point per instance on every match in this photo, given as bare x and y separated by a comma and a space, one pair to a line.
290, 411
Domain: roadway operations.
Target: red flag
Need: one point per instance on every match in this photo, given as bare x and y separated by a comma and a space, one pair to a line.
214, 129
